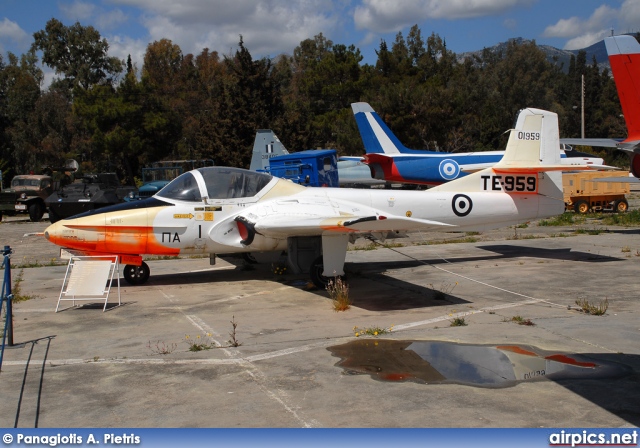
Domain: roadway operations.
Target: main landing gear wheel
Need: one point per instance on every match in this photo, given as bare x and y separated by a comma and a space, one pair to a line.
317, 267
249, 258
136, 275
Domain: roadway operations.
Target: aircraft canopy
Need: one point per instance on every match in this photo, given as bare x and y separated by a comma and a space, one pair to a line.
221, 183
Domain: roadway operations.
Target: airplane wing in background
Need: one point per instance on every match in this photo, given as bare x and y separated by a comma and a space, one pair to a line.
622, 145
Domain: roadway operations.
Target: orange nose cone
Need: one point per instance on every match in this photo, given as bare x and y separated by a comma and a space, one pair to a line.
52, 232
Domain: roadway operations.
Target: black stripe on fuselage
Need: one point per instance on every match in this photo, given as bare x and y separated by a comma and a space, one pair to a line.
132, 205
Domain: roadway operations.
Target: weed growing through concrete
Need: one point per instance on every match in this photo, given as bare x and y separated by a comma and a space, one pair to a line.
199, 343
566, 219
596, 310
371, 331
468, 239
522, 321
370, 246
392, 245
443, 291
16, 291
458, 322
338, 291
161, 347
233, 342
622, 219
625, 249
592, 231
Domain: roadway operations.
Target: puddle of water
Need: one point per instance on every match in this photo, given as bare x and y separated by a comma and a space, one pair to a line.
475, 365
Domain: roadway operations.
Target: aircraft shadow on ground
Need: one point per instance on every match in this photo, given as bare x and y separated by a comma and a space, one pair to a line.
207, 276
402, 295
567, 254
620, 396
503, 251
624, 231
371, 269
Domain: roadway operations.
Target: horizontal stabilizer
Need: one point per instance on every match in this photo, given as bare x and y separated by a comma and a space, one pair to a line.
541, 169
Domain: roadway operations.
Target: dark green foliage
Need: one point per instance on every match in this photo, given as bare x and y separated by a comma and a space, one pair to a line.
113, 115
78, 53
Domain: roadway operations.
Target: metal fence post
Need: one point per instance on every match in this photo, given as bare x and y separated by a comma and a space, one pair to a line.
6, 296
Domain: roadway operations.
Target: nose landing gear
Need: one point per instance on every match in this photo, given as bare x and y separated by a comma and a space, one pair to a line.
136, 275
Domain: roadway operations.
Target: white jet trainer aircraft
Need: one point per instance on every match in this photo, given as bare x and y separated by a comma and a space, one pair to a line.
218, 210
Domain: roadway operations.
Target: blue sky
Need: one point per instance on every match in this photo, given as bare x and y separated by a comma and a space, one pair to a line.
272, 27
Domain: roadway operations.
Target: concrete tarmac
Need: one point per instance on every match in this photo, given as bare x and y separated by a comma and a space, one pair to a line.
131, 366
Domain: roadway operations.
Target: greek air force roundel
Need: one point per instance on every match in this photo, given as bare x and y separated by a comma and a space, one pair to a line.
461, 204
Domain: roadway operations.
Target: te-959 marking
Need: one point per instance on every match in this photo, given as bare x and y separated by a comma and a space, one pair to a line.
510, 184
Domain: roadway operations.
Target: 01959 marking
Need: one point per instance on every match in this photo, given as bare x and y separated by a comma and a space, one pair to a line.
528, 135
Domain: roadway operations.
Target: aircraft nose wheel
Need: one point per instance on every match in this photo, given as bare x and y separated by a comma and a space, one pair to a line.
136, 275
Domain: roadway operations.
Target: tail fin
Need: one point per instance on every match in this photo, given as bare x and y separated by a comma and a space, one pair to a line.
624, 57
533, 144
531, 151
265, 146
376, 136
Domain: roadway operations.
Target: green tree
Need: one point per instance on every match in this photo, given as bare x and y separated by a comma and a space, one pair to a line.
78, 53
250, 101
20, 90
326, 80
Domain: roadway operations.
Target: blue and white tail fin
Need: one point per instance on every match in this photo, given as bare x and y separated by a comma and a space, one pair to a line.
265, 146
376, 135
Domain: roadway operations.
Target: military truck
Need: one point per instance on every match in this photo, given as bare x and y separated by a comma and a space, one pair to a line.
90, 192
27, 194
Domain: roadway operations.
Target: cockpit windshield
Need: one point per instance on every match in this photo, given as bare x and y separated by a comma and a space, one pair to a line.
221, 183
183, 188
228, 183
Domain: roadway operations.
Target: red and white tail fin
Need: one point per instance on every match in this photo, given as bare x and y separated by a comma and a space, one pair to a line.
624, 57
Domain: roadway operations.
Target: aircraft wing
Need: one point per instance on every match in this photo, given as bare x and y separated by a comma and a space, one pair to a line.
285, 226
622, 145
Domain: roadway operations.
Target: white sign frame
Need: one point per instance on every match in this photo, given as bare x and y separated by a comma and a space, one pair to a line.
89, 278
